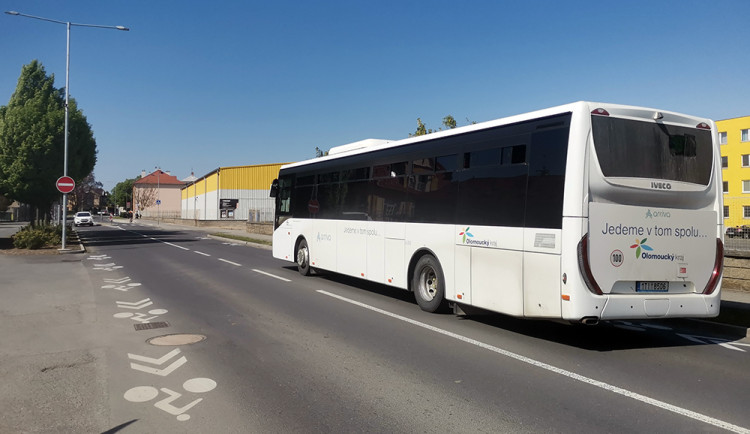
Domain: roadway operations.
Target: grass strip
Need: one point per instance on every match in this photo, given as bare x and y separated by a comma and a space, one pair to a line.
241, 238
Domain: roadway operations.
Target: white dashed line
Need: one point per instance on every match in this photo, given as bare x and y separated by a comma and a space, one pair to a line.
201, 253
175, 245
271, 275
572, 375
229, 262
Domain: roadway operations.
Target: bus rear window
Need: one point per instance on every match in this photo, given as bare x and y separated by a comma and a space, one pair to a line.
638, 149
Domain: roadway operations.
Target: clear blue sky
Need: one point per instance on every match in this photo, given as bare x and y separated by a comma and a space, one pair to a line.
200, 85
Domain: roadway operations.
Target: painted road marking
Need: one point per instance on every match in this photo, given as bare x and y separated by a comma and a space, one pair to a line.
175, 245
135, 305
201, 253
271, 275
229, 262
193, 385
572, 375
160, 361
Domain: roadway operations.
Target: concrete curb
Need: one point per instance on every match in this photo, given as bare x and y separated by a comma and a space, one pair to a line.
68, 251
242, 243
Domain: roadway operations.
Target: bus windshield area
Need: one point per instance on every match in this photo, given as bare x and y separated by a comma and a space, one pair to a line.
640, 149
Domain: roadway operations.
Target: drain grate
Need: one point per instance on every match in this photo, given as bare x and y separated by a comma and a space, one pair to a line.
150, 325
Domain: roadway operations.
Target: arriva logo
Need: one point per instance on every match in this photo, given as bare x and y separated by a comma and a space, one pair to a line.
640, 245
657, 214
466, 233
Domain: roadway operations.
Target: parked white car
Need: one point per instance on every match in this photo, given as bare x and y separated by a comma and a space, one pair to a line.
83, 218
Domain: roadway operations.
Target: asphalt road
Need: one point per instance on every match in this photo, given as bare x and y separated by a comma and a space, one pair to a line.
286, 353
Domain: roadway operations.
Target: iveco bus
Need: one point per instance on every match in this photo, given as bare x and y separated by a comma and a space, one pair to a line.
582, 212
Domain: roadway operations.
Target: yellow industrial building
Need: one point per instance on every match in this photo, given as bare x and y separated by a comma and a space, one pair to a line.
231, 193
734, 137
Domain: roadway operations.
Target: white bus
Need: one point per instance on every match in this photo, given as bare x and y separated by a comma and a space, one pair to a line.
582, 212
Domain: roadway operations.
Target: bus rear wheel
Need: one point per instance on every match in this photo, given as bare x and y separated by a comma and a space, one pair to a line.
428, 284
303, 258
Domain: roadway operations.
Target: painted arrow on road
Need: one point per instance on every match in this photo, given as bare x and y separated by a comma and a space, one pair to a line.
160, 361
137, 305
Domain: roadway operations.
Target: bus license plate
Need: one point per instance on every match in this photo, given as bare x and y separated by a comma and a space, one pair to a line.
651, 286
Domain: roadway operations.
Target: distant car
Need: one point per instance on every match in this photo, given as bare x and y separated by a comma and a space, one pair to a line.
83, 218
738, 231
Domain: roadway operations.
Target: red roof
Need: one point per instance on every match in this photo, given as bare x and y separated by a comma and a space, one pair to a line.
159, 177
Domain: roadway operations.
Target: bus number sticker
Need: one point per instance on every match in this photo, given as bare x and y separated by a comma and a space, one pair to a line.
616, 258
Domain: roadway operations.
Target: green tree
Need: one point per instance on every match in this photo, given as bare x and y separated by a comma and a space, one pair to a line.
32, 140
421, 129
449, 122
123, 193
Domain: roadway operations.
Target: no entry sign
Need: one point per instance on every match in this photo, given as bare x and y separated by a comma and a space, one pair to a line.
65, 184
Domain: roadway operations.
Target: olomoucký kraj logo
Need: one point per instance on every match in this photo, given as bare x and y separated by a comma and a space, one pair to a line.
640, 245
466, 233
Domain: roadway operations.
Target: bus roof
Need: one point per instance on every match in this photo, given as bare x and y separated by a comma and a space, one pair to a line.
369, 145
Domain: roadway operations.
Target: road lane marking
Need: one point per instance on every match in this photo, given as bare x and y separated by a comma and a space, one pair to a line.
201, 253
229, 262
600, 384
175, 245
271, 275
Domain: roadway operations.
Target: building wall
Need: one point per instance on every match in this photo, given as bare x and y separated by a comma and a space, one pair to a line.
735, 200
249, 185
169, 195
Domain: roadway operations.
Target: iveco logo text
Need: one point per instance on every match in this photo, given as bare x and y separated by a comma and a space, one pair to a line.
661, 185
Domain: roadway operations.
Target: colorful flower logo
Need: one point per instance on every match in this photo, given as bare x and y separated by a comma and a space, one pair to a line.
466, 233
640, 245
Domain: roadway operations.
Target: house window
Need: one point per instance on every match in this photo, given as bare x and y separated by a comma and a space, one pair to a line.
725, 186
745, 160
746, 211
726, 211
746, 186
723, 138
745, 135
724, 162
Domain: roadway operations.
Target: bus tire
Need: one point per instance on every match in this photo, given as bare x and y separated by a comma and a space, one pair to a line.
428, 284
303, 258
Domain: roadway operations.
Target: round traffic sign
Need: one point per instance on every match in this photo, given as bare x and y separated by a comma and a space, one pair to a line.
65, 184
313, 206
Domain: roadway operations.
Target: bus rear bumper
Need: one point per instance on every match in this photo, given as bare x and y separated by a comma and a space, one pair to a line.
661, 306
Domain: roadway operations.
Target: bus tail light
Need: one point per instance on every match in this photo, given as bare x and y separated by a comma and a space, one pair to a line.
703, 126
585, 266
600, 112
713, 282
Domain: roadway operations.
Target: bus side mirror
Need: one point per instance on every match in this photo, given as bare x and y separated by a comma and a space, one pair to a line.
274, 188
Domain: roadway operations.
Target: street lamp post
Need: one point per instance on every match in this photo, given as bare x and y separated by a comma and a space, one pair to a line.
68, 24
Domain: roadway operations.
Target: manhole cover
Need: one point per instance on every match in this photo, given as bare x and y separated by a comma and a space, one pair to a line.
176, 339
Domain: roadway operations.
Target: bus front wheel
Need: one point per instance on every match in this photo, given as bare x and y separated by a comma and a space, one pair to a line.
303, 258
428, 284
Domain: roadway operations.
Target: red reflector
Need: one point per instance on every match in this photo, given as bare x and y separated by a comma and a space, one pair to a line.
703, 126
600, 112
585, 266
718, 268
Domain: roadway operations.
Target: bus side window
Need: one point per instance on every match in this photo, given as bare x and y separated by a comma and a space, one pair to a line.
284, 194
513, 155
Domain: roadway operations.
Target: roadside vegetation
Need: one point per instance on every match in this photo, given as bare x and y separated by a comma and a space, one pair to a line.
38, 236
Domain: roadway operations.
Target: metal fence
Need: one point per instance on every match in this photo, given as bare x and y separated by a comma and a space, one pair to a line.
261, 210
737, 223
